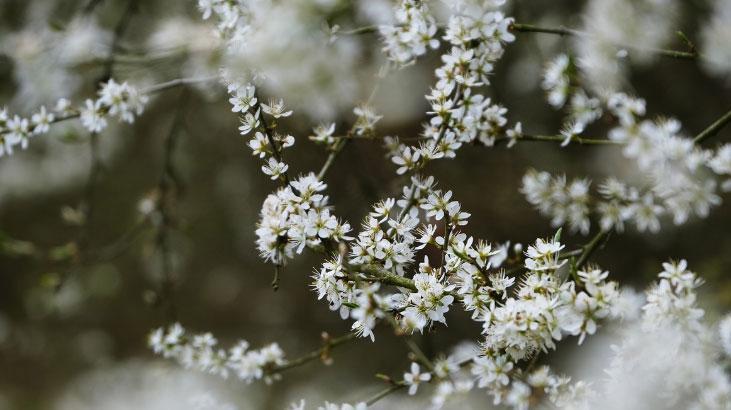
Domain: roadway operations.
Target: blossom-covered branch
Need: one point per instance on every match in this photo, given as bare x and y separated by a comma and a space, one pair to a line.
114, 99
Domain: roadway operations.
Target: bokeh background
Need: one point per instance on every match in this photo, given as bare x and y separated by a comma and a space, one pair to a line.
73, 328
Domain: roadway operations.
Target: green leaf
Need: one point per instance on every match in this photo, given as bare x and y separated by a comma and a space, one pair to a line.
557, 236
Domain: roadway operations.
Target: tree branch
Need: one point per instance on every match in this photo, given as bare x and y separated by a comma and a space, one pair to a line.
315, 354
563, 31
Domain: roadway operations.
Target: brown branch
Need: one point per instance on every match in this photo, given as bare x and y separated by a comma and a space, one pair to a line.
320, 353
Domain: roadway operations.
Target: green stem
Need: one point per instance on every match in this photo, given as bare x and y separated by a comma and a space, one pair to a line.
560, 138
333, 156
590, 247
713, 129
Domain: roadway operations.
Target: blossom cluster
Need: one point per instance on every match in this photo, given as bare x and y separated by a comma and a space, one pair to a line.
562, 201
557, 80
468, 273
283, 45
677, 168
525, 300
716, 34
669, 345
385, 244
544, 310
612, 27
265, 143
121, 100
559, 84
679, 174
415, 31
295, 217
476, 35
201, 352
114, 99
227, 13
16, 130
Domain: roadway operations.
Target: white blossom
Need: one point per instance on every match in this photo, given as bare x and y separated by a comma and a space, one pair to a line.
415, 377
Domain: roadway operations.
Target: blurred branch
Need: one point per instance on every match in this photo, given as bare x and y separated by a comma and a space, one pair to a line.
153, 89
560, 139
119, 29
560, 31
15, 247
96, 166
91, 5
359, 30
168, 189
87, 203
563, 31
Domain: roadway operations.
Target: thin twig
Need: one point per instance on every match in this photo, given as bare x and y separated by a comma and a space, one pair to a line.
713, 129
385, 392
563, 31
156, 88
268, 132
275, 280
153, 89
561, 138
445, 245
168, 189
87, 203
359, 30
119, 29
590, 247
419, 354
339, 145
315, 354
560, 31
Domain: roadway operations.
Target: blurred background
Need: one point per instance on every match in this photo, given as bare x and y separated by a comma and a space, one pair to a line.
80, 290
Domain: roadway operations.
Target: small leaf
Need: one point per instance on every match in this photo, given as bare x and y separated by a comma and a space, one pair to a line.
557, 236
